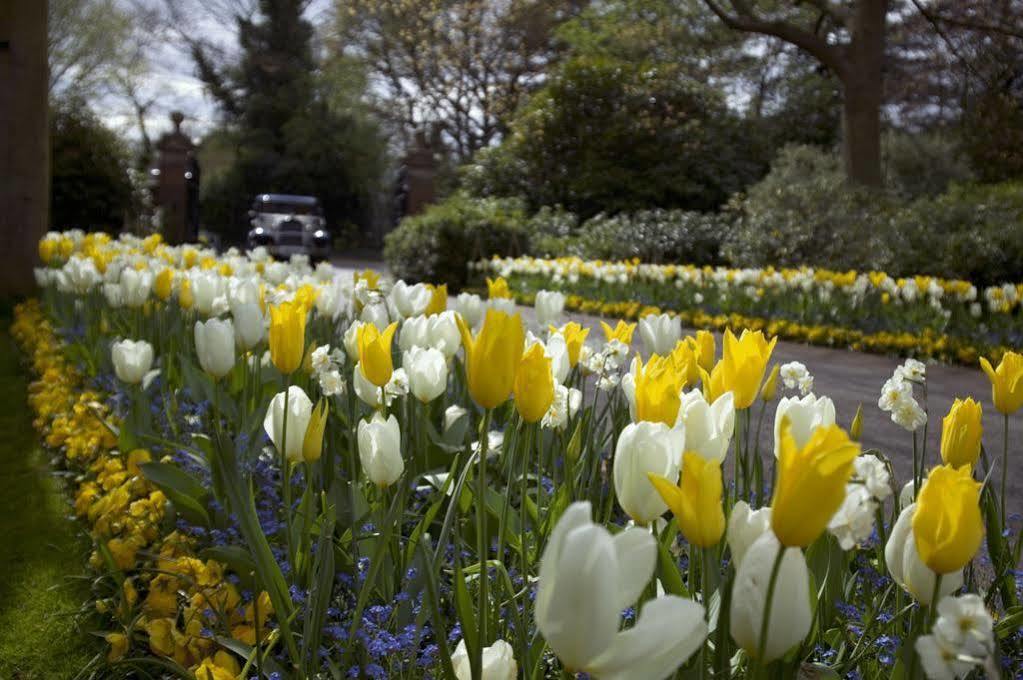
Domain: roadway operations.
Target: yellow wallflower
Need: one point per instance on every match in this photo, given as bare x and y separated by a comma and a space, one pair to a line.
498, 288
811, 483
118, 646
658, 389
961, 432
438, 299
947, 524
375, 353
492, 357
534, 385
742, 366
1006, 382
575, 336
696, 499
287, 336
622, 332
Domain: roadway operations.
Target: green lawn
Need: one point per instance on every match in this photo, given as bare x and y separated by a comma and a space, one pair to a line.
40, 636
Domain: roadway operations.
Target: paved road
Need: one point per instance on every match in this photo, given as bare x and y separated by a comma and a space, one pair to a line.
852, 378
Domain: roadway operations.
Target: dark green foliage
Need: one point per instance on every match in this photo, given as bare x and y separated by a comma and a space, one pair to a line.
611, 136
90, 188
924, 164
437, 245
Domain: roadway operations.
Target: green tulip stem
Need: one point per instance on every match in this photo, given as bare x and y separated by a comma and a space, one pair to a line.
1005, 462
482, 537
932, 611
286, 466
766, 618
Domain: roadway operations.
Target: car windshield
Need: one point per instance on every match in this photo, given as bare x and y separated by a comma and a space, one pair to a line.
283, 207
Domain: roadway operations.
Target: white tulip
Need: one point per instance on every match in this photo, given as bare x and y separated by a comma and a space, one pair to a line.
427, 373
444, 334
549, 307
79, 275
745, 526
660, 333
805, 415
452, 414
243, 291
376, 313
114, 295
300, 409
643, 448
132, 360
556, 349
587, 577
249, 324
709, 427
209, 291
135, 286
214, 343
498, 661
415, 332
506, 305
906, 567
790, 616
410, 300
351, 338
471, 307
380, 449
364, 389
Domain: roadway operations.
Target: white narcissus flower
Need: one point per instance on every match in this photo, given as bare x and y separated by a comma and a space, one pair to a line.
745, 526
443, 333
894, 391
792, 373
498, 661
805, 415
708, 427
549, 307
380, 449
427, 372
410, 300
249, 324
940, 662
908, 415
587, 577
853, 522
135, 286
300, 409
906, 567
790, 616
319, 360
132, 360
331, 383
660, 333
643, 448
873, 474
471, 308
965, 625
214, 344
566, 403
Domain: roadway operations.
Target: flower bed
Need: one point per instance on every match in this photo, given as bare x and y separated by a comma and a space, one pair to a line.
287, 473
922, 316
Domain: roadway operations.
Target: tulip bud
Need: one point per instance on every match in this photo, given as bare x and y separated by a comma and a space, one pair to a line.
415, 332
549, 307
645, 448
185, 297
498, 662
410, 300
312, 441
770, 388
443, 333
299, 412
380, 449
856, 429
654, 390
947, 523
132, 360
906, 567
961, 432
427, 373
214, 344
534, 385
135, 287
498, 288
706, 350
660, 333
375, 353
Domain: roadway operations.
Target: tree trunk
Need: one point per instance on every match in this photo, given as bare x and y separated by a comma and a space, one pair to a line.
24, 142
862, 82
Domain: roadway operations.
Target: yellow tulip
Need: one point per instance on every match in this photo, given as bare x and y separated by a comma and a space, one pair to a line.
696, 499
947, 524
811, 483
706, 349
770, 388
622, 332
575, 336
186, 298
312, 443
371, 278
438, 299
1006, 382
742, 366
163, 284
534, 385
47, 249
961, 432
287, 336
658, 391
498, 288
684, 358
375, 353
492, 357
306, 296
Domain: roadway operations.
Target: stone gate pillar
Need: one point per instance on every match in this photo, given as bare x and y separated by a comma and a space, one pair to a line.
174, 170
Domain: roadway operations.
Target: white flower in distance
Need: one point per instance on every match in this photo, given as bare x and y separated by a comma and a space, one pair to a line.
299, 411
214, 344
644, 448
506, 305
471, 307
708, 427
660, 333
790, 615
745, 526
498, 662
132, 360
906, 567
135, 286
427, 372
249, 324
587, 577
549, 307
792, 373
410, 300
79, 275
380, 449
805, 415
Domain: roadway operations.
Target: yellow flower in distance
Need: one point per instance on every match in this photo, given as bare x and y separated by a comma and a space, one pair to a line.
492, 357
534, 385
163, 284
961, 432
438, 299
312, 443
498, 288
375, 359
287, 336
811, 483
696, 499
575, 336
742, 366
658, 391
371, 278
947, 523
622, 332
1006, 382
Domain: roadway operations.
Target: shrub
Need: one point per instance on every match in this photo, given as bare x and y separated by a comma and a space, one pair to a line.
437, 245
654, 236
924, 164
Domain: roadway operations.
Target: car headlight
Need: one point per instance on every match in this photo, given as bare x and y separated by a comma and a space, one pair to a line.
259, 231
